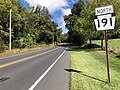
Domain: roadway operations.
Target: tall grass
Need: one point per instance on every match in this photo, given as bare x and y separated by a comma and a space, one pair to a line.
21, 50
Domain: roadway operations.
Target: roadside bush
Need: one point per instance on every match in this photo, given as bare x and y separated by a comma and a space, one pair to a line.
79, 40
15, 44
24, 42
3, 47
42, 42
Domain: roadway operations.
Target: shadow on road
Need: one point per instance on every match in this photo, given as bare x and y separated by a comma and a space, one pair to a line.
4, 79
80, 72
72, 70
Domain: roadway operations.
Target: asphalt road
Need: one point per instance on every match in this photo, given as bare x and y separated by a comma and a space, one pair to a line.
37, 70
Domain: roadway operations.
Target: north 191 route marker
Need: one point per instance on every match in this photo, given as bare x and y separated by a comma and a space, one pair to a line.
105, 20
104, 10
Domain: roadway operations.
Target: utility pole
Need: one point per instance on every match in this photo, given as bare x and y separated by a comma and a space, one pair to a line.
53, 39
10, 32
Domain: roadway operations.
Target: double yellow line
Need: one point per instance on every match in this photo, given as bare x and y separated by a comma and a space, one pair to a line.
28, 58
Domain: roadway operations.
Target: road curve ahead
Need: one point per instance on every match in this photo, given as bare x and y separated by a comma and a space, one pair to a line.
37, 70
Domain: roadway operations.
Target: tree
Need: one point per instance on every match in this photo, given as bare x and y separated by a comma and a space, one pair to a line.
81, 21
75, 26
64, 38
89, 13
77, 8
31, 25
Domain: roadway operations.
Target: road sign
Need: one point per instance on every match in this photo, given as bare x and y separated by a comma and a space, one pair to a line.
105, 22
105, 18
104, 10
21, 41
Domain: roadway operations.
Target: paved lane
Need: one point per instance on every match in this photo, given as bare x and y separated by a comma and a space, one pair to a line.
58, 78
21, 75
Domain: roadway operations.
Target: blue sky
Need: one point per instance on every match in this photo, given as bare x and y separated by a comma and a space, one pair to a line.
58, 8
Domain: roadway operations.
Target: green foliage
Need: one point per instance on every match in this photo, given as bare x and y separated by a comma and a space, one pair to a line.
23, 42
81, 22
64, 38
77, 8
33, 25
75, 26
3, 47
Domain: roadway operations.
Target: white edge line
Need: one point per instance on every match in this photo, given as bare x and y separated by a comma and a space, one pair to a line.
43, 75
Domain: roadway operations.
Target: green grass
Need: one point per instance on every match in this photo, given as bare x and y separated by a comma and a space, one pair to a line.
89, 70
112, 43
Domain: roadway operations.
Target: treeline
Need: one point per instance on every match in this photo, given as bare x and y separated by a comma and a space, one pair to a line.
29, 26
81, 22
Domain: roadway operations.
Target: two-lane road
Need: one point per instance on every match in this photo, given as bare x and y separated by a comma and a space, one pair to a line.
37, 70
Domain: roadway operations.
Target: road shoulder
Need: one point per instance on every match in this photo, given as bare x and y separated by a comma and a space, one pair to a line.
57, 78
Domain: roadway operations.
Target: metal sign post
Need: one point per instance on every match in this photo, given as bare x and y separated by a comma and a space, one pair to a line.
107, 62
105, 20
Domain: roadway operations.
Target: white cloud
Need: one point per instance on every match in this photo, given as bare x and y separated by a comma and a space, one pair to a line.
52, 5
63, 27
66, 11
73, 1
61, 20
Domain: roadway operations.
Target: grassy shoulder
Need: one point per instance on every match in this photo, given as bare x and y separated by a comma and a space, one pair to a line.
113, 45
18, 51
88, 70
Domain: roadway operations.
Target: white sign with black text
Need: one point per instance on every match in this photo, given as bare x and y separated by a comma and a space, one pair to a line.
105, 22
105, 18
104, 10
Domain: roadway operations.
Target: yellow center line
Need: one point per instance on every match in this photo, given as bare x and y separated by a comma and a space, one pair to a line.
28, 58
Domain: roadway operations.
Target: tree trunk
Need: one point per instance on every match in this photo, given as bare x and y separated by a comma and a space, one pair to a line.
90, 41
90, 37
101, 44
1, 40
